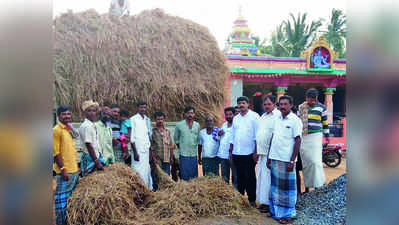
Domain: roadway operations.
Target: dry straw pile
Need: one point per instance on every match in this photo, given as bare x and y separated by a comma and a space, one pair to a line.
118, 196
108, 197
165, 60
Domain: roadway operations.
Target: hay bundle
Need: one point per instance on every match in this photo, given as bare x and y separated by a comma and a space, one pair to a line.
167, 61
201, 197
108, 197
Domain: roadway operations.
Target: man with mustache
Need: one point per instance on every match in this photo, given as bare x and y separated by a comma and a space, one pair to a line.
65, 162
92, 157
105, 135
263, 137
186, 138
243, 148
285, 145
314, 118
115, 123
225, 137
140, 141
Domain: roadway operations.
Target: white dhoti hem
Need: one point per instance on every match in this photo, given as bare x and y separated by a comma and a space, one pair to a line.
262, 181
142, 167
312, 164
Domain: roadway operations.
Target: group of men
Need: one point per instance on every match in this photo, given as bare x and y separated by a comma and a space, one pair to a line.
105, 141
272, 141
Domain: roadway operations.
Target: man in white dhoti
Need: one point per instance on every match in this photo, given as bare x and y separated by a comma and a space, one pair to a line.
140, 141
314, 119
263, 136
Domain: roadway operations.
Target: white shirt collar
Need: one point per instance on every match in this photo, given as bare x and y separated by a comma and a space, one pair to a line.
289, 116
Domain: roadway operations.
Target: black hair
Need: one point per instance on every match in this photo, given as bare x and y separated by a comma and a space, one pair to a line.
61, 109
232, 109
141, 103
159, 114
188, 108
124, 112
113, 106
272, 98
287, 97
242, 98
294, 109
312, 93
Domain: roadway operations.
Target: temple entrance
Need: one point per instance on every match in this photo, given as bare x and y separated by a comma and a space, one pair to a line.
256, 91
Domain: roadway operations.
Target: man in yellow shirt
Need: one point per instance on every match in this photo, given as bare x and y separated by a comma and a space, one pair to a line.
65, 162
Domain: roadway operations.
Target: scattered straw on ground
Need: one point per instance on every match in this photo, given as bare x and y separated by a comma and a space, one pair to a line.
202, 197
118, 196
168, 61
108, 197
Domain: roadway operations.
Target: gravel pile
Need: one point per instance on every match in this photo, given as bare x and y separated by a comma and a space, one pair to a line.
326, 205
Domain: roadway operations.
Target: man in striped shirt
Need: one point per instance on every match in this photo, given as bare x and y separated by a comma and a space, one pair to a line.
314, 119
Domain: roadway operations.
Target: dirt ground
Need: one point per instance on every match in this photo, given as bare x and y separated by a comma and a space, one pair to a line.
331, 173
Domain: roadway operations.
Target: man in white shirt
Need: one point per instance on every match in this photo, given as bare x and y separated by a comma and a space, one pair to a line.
208, 149
286, 142
263, 138
92, 157
140, 142
225, 134
243, 148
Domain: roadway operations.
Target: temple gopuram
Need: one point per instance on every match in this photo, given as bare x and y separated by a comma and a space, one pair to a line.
254, 75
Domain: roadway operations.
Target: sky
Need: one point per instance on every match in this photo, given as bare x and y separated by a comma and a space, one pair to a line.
218, 15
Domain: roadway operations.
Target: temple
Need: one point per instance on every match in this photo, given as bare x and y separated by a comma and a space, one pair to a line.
254, 75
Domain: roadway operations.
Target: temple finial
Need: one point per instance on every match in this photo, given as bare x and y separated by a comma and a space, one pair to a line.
239, 10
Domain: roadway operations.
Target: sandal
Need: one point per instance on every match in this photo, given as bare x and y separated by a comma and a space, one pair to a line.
285, 221
263, 208
269, 214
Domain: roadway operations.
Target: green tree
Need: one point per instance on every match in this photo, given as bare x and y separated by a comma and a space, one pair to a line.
336, 32
279, 47
299, 34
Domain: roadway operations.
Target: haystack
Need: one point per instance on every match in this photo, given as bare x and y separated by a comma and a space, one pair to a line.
168, 61
118, 196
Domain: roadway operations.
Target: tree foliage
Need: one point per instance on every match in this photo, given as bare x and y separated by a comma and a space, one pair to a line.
296, 34
336, 32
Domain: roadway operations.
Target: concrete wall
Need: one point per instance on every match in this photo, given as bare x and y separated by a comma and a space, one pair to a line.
236, 90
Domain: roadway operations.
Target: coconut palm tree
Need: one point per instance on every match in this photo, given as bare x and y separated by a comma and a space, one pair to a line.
279, 42
336, 31
299, 34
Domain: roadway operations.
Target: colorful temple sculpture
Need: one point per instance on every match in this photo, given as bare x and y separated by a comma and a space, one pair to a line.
240, 41
254, 75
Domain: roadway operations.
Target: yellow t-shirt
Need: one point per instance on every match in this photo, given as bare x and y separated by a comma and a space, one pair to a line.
63, 145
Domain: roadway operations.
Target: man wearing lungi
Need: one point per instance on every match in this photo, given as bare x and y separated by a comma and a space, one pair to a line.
286, 142
92, 157
141, 142
263, 137
314, 118
65, 162
186, 138
243, 148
